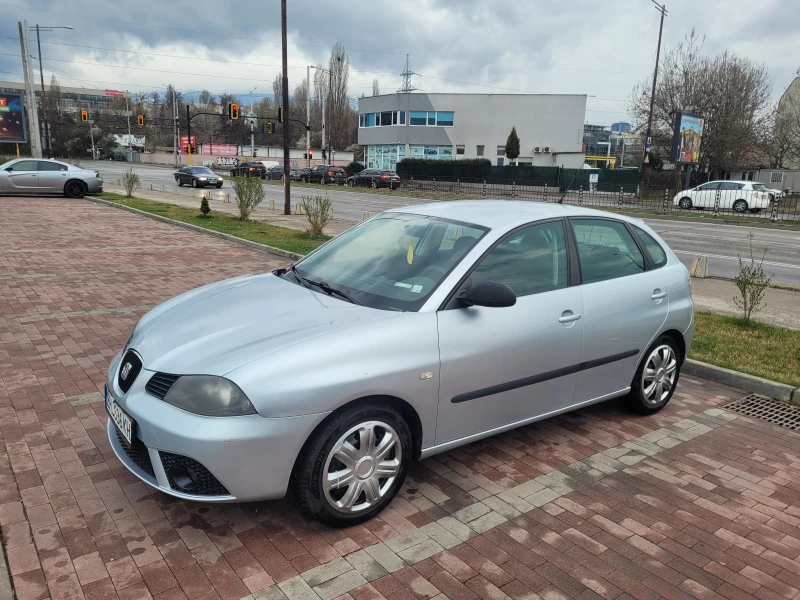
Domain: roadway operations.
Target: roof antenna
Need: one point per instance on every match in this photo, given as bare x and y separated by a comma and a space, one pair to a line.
406, 75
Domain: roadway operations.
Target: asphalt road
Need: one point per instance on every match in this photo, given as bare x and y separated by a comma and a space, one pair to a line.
721, 243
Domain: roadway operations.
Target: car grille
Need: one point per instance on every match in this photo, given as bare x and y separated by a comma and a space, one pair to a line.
207, 484
137, 452
159, 384
135, 368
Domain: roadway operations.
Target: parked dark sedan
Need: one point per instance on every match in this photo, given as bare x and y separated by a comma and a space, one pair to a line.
375, 178
297, 173
197, 177
249, 169
326, 174
275, 172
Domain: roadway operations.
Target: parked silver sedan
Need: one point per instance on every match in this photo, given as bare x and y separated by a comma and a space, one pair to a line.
40, 176
417, 331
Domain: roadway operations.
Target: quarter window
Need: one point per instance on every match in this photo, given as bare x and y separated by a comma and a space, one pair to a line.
606, 250
652, 247
529, 261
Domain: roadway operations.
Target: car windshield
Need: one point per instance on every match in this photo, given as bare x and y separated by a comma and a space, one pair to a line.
392, 262
759, 187
202, 171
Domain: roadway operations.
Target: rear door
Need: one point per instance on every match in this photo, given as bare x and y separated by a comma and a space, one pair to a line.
729, 193
52, 177
625, 305
23, 176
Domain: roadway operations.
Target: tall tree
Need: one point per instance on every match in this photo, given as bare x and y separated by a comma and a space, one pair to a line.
512, 144
733, 92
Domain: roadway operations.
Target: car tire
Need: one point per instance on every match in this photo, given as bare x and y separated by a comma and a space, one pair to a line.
179, 182
194, 183
219, 185
685, 203
374, 184
75, 189
659, 370
351, 183
319, 457
740, 206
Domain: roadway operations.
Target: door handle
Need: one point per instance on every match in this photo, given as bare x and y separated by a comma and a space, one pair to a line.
568, 317
658, 294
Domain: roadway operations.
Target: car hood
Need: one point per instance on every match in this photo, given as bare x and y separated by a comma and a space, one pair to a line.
220, 327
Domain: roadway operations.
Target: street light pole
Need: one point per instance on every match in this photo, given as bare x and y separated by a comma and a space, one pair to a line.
45, 124
662, 8
287, 197
308, 115
252, 136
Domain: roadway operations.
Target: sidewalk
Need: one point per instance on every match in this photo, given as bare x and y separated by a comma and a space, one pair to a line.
694, 502
716, 295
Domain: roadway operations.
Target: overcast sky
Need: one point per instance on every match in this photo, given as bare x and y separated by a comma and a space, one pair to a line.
597, 48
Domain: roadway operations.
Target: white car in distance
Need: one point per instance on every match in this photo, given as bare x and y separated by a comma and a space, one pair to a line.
739, 196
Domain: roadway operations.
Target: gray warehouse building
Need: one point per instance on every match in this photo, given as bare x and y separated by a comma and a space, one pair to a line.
453, 126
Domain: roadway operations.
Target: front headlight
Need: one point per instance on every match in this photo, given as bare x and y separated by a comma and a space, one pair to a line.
202, 178
210, 396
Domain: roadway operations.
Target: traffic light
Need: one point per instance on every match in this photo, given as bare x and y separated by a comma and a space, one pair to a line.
85, 116
280, 114
233, 112
305, 155
310, 154
270, 127
255, 153
140, 120
324, 155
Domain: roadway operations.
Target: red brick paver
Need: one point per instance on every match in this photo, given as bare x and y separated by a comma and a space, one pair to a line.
715, 516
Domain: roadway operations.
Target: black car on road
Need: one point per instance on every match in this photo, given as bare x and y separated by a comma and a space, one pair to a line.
249, 169
326, 174
275, 172
375, 178
197, 177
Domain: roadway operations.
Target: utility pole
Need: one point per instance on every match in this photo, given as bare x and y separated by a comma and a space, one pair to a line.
128, 113
252, 136
91, 133
46, 130
177, 132
662, 8
188, 134
30, 97
287, 197
308, 115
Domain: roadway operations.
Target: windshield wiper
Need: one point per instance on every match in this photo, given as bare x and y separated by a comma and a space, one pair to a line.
331, 291
299, 278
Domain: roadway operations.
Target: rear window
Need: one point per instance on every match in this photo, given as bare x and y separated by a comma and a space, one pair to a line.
652, 247
387, 172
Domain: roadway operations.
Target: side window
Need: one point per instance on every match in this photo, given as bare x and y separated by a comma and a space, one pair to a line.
63, 168
606, 250
45, 165
729, 186
709, 187
652, 247
529, 261
25, 165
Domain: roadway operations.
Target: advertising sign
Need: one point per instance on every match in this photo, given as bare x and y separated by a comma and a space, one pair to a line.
12, 119
115, 93
686, 138
220, 149
129, 140
185, 142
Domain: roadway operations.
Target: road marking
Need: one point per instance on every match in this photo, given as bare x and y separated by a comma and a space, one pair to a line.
733, 239
766, 262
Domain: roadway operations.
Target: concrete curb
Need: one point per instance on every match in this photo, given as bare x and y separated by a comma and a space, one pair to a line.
5, 575
751, 383
224, 236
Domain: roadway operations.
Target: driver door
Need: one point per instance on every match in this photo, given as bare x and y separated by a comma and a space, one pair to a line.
706, 195
23, 176
501, 366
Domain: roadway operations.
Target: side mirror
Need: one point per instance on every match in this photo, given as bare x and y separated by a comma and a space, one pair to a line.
491, 294
9, 169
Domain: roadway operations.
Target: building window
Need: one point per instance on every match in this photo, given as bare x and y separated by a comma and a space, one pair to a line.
394, 118
444, 118
402, 117
360, 120
500, 162
460, 149
776, 177
431, 118
501, 151
385, 118
431, 152
370, 119
419, 117
479, 149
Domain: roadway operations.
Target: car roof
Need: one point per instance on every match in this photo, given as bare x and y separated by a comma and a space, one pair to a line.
505, 214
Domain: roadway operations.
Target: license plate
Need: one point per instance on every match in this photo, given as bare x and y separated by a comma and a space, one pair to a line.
120, 418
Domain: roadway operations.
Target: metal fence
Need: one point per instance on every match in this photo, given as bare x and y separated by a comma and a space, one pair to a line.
662, 200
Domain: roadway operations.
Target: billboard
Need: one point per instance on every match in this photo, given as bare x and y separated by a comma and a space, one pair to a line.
114, 93
183, 148
686, 138
221, 149
12, 119
129, 140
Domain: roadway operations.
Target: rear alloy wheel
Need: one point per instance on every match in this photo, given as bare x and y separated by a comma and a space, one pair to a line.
685, 203
740, 206
194, 182
656, 377
374, 185
179, 181
354, 465
75, 189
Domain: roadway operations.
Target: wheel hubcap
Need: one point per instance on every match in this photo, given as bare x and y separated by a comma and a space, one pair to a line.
659, 375
362, 467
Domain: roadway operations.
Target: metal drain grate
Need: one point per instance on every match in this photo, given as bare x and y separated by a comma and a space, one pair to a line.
767, 409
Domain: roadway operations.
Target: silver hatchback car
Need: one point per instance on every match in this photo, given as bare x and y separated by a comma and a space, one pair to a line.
422, 329
24, 176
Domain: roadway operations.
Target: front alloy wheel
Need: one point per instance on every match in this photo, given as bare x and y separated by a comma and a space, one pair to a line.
353, 464
362, 467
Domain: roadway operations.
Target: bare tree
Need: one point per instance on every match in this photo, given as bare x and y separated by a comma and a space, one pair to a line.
733, 93
376, 89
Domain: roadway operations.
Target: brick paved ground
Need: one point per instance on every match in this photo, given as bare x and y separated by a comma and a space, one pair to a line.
693, 502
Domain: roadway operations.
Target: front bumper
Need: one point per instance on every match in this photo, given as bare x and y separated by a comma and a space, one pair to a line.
250, 457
